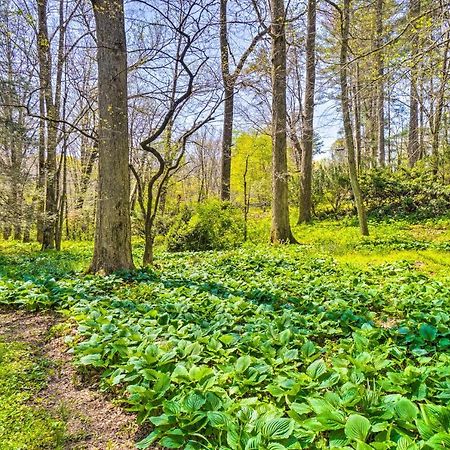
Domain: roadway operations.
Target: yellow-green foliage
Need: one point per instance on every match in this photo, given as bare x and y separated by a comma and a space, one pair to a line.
258, 149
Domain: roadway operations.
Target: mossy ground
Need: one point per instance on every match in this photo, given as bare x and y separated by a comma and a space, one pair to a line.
24, 423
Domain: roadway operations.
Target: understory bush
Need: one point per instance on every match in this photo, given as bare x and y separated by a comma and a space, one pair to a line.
211, 225
405, 192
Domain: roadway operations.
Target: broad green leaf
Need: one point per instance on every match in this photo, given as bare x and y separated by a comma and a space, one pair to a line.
285, 335
194, 401
439, 441
243, 363
406, 410
357, 427
147, 441
316, 369
276, 446
277, 428
406, 443
428, 332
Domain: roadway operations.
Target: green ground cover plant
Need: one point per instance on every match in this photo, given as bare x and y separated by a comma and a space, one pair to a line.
24, 424
263, 347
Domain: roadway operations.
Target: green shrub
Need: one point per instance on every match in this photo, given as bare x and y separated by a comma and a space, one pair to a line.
406, 192
212, 225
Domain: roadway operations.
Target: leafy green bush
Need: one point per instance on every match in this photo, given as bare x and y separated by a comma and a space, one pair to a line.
212, 225
406, 192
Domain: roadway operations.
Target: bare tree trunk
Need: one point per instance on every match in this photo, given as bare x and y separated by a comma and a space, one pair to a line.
413, 134
357, 114
227, 140
228, 81
281, 229
44, 53
380, 84
345, 29
112, 249
308, 117
41, 173
436, 119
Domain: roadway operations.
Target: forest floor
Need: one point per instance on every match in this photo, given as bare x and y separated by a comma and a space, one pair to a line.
44, 402
261, 347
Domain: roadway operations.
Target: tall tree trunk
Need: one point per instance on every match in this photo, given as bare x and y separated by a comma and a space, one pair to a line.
345, 103
112, 248
40, 204
227, 141
52, 107
228, 81
281, 229
308, 117
413, 133
380, 84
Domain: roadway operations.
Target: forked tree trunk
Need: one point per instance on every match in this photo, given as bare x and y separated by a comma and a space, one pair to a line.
112, 249
281, 229
345, 103
308, 118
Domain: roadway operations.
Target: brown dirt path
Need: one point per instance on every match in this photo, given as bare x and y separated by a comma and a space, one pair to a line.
93, 422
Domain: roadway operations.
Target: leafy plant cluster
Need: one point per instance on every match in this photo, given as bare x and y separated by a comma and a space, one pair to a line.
265, 348
405, 192
211, 225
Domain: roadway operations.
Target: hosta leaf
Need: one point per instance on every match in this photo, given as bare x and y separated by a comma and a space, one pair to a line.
428, 332
172, 441
316, 369
218, 419
439, 441
278, 428
285, 336
243, 363
406, 443
194, 401
254, 443
198, 373
319, 405
332, 420
180, 373
357, 427
147, 441
300, 408
91, 360
308, 349
337, 439
276, 446
406, 410
233, 439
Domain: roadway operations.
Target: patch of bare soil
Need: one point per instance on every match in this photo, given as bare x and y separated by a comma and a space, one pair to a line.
92, 421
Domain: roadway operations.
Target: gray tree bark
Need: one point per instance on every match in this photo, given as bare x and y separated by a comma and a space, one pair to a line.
413, 134
112, 249
380, 84
308, 117
281, 229
345, 103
